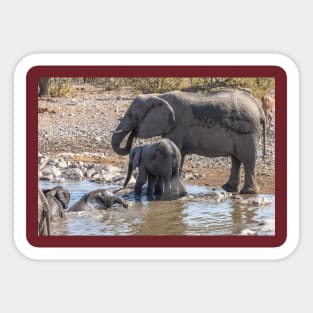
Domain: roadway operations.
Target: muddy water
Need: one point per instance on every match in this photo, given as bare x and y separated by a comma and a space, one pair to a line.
196, 216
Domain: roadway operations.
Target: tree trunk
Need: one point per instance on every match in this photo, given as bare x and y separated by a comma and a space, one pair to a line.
43, 86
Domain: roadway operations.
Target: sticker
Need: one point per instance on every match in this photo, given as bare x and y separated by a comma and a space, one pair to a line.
99, 143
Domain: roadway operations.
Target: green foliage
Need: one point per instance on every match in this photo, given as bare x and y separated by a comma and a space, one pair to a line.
61, 87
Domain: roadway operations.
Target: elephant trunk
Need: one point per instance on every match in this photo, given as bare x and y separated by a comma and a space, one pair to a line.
118, 137
129, 173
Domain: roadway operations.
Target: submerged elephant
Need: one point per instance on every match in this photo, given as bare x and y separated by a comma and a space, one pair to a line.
58, 199
221, 123
158, 162
97, 200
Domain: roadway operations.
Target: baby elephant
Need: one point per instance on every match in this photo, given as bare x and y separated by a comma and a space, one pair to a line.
97, 200
158, 162
58, 199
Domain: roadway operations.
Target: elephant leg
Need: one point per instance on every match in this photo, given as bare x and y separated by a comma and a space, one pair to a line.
177, 188
151, 184
233, 182
181, 188
250, 185
141, 180
166, 195
247, 149
158, 189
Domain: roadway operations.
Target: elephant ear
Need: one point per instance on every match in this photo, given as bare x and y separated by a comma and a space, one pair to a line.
159, 118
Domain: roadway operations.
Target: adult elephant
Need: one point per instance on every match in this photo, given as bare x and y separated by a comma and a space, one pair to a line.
99, 199
221, 123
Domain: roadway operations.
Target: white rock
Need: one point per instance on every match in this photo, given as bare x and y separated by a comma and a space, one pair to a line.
98, 178
256, 201
91, 172
248, 232
73, 101
48, 177
51, 170
62, 164
73, 173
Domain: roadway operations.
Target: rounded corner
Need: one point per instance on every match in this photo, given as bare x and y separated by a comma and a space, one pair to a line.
24, 247
288, 247
286, 63
25, 61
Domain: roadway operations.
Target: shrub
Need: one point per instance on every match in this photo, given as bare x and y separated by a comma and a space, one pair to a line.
61, 87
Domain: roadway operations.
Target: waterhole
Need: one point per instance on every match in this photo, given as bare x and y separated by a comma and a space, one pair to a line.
193, 215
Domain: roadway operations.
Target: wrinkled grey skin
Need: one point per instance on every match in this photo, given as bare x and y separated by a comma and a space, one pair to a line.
58, 198
222, 123
159, 163
97, 200
43, 215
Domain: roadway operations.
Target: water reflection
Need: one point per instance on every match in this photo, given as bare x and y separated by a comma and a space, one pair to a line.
196, 216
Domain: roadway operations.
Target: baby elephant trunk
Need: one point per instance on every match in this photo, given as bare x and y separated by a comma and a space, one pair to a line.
129, 173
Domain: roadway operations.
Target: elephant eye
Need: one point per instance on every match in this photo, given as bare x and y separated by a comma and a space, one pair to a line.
129, 115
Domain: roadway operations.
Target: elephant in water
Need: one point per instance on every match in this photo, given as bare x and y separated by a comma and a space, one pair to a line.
158, 162
221, 123
43, 214
58, 199
97, 200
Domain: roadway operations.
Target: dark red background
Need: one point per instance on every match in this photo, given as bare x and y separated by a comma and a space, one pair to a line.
156, 71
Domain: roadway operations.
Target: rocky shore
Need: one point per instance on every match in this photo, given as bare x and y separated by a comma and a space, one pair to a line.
75, 143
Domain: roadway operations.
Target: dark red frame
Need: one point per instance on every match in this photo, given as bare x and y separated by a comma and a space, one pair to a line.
156, 241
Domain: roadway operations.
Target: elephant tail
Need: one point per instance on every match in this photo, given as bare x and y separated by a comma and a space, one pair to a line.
129, 172
264, 137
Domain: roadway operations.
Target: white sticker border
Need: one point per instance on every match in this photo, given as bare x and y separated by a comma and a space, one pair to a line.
131, 253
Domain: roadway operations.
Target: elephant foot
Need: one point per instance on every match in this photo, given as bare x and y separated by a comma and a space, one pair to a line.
137, 197
150, 198
230, 188
250, 190
182, 194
